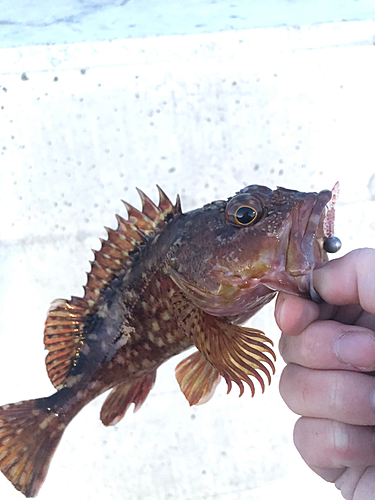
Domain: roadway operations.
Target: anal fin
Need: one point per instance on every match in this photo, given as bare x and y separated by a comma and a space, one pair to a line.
123, 395
197, 378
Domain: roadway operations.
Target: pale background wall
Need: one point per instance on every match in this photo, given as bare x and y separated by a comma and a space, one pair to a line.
202, 98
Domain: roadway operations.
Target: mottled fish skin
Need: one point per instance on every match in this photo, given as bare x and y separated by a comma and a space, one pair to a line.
163, 282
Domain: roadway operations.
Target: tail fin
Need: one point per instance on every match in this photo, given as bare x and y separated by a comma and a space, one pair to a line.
29, 436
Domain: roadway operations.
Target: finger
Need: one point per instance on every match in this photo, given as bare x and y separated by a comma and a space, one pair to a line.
328, 474
348, 314
293, 314
348, 397
365, 319
365, 488
331, 345
357, 483
330, 444
348, 280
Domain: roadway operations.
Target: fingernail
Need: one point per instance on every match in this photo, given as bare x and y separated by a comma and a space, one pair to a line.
356, 349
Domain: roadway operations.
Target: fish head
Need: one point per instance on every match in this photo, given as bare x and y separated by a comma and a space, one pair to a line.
234, 255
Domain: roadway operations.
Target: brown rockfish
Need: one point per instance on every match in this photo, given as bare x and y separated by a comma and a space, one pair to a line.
162, 282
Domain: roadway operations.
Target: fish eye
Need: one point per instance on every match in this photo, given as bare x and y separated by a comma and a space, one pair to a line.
242, 211
244, 215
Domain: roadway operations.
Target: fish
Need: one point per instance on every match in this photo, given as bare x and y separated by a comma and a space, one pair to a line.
165, 281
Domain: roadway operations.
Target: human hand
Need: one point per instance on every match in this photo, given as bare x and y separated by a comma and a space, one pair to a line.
329, 349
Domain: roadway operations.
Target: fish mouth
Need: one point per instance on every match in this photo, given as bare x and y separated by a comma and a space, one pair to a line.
305, 250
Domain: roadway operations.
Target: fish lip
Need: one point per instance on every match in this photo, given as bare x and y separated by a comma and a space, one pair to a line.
300, 262
312, 224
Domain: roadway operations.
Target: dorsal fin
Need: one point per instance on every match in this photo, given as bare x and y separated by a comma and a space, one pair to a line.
63, 332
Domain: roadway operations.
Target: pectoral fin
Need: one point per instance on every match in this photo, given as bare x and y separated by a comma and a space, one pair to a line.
236, 352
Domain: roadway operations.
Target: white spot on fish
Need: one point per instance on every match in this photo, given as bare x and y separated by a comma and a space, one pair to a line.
159, 342
170, 338
120, 360
73, 380
85, 349
103, 311
122, 341
45, 423
131, 367
15, 470
155, 326
165, 316
146, 363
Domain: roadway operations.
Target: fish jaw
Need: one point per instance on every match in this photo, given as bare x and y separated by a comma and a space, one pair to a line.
302, 251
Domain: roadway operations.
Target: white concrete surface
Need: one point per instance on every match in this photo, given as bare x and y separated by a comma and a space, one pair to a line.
203, 114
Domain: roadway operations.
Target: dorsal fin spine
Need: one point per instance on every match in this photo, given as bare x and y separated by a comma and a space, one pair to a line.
165, 203
139, 217
177, 207
148, 206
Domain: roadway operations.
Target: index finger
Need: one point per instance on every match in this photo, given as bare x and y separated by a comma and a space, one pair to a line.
348, 280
